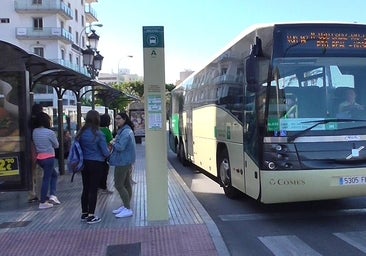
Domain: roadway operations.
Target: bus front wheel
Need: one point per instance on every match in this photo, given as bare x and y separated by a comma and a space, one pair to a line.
225, 176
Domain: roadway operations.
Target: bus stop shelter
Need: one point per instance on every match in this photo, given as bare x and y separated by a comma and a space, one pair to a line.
20, 72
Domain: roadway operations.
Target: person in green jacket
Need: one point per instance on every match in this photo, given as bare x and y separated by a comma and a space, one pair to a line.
105, 121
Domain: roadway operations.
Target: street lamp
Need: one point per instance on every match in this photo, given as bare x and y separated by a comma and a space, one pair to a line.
90, 28
92, 59
128, 56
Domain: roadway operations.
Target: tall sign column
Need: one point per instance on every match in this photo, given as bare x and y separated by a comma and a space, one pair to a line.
155, 124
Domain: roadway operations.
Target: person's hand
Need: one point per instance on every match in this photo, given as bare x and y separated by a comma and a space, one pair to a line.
110, 147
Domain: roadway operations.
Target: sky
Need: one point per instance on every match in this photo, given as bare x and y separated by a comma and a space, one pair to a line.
197, 30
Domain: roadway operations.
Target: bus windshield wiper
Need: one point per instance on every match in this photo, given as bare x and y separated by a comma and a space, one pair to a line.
324, 121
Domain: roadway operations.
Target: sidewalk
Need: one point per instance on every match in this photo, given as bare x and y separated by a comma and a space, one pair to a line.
26, 230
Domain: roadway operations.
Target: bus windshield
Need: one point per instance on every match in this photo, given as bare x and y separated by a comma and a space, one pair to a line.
305, 92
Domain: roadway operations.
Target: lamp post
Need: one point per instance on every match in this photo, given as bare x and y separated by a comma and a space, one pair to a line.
92, 59
128, 56
90, 28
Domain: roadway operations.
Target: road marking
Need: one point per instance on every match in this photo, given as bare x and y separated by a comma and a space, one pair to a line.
285, 215
356, 239
287, 245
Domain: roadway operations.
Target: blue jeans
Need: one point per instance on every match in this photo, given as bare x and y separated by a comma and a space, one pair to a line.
49, 177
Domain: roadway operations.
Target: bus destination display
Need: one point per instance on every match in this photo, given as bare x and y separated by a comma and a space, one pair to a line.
329, 40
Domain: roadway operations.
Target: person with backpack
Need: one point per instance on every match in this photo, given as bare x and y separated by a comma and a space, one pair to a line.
95, 151
123, 157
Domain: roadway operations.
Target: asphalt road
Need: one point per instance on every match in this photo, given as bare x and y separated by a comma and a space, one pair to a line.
334, 227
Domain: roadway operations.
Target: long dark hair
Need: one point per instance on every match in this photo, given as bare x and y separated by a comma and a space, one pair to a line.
43, 120
105, 120
92, 120
127, 119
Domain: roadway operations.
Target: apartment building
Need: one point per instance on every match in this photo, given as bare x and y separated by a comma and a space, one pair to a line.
123, 76
54, 29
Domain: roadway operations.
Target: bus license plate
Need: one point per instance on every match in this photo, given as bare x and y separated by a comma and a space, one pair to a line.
352, 180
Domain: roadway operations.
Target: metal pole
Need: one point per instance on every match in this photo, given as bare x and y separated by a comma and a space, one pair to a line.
78, 115
61, 162
92, 98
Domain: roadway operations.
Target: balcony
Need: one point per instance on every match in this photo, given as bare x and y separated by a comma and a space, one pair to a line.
90, 14
46, 33
73, 66
47, 6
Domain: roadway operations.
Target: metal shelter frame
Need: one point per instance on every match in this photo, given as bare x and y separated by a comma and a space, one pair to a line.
45, 72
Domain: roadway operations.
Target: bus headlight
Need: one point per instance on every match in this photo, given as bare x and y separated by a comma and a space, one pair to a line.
271, 165
280, 157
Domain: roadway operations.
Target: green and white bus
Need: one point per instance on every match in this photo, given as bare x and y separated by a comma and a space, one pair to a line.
267, 117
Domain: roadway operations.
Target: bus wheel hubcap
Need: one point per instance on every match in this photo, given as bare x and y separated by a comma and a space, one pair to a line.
224, 172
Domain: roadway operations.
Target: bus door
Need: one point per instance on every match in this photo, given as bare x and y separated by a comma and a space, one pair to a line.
254, 105
188, 138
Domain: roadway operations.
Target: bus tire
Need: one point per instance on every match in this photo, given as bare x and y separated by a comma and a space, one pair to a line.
225, 176
182, 154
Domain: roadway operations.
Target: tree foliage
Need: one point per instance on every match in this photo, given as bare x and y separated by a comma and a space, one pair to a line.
131, 91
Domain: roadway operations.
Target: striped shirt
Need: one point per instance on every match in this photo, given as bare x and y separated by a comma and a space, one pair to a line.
45, 141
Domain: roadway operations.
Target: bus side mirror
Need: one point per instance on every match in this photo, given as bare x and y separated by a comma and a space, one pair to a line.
251, 68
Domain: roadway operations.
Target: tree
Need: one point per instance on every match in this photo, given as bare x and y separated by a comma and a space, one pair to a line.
132, 91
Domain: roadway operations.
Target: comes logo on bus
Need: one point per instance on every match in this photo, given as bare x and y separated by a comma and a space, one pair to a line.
287, 182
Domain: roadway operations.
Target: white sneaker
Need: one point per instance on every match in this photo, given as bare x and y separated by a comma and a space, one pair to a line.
124, 213
45, 205
116, 211
53, 199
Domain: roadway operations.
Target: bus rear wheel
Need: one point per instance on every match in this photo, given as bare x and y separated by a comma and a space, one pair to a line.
225, 176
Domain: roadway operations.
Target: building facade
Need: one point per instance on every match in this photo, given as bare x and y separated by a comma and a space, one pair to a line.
54, 29
123, 76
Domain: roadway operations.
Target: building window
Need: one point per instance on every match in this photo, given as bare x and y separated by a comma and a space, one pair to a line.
37, 1
70, 57
4, 20
62, 54
76, 15
77, 37
37, 23
39, 51
82, 21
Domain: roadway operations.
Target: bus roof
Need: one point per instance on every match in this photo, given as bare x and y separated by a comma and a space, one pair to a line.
256, 27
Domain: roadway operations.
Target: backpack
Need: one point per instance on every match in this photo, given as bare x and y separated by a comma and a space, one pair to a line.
75, 160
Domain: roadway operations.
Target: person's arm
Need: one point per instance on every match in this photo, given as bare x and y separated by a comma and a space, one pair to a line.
121, 141
103, 145
108, 136
54, 140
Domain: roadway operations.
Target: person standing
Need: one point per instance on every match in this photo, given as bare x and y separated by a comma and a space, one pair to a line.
45, 142
35, 192
67, 143
105, 121
95, 151
123, 157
